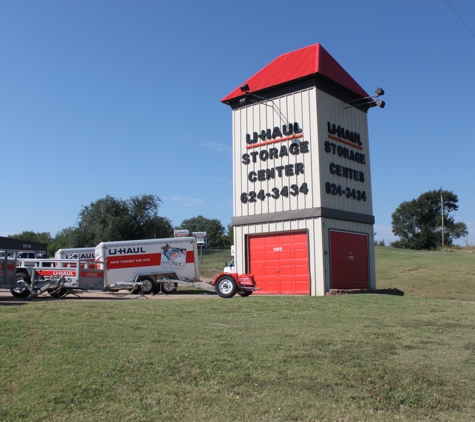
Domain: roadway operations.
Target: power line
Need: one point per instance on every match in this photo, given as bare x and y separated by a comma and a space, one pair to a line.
447, 1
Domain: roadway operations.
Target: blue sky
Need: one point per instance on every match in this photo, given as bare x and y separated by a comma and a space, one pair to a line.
123, 98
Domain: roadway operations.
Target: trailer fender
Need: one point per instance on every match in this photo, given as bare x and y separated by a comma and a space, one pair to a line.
228, 284
245, 280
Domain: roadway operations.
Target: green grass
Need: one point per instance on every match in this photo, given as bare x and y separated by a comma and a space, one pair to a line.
429, 274
334, 358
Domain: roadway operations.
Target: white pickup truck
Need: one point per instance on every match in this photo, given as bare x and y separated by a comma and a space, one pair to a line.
229, 268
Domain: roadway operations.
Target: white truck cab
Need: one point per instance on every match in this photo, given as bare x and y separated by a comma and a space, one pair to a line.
230, 268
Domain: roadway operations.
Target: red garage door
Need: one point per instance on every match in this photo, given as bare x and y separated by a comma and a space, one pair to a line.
279, 263
349, 260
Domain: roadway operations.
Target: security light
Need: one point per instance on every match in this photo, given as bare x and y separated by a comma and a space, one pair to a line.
368, 101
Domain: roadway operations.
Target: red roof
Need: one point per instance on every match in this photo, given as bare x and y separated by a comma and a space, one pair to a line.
307, 61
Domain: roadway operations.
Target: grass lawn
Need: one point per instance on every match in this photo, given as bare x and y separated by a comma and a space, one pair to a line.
429, 274
334, 358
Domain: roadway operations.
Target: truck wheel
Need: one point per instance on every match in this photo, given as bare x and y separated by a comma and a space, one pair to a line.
169, 287
148, 285
21, 289
244, 294
226, 286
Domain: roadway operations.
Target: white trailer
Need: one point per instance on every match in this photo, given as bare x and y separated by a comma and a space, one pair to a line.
144, 266
75, 253
156, 263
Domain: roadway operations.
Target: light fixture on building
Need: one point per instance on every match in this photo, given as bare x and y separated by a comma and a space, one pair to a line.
370, 101
244, 101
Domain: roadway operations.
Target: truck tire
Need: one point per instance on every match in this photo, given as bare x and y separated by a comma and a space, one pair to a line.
169, 287
148, 285
244, 294
226, 286
21, 289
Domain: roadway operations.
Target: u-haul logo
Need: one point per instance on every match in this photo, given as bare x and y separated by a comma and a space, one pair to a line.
70, 273
340, 134
126, 251
270, 136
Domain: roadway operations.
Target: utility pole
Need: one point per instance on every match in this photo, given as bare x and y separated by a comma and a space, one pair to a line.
442, 206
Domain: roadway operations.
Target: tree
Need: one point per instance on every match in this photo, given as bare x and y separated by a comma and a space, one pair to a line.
228, 238
65, 238
212, 227
43, 237
418, 223
110, 219
145, 222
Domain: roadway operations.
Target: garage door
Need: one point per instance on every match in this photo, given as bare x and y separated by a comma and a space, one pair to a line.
279, 263
349, 260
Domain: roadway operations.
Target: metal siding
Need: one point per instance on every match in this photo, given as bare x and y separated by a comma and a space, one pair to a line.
349, 260
298, 107
332, 110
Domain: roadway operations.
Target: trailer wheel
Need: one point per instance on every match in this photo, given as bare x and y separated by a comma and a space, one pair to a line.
169, 287
21, 289
245, 293
226, 286
148, 285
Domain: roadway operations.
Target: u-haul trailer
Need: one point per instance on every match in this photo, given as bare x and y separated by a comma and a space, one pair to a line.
75, 253
155, 263
146, 266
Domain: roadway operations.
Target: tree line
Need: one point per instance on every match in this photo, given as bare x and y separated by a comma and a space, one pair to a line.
422, 223
113, 219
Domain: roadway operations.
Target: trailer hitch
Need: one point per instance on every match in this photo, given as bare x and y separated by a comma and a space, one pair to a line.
54, 285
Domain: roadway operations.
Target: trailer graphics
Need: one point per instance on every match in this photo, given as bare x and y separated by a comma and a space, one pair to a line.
173, 257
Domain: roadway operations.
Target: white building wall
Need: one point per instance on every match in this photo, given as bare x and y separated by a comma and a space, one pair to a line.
298, 107
332, 110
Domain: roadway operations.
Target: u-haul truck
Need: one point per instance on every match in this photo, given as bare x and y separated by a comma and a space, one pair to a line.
144, 266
